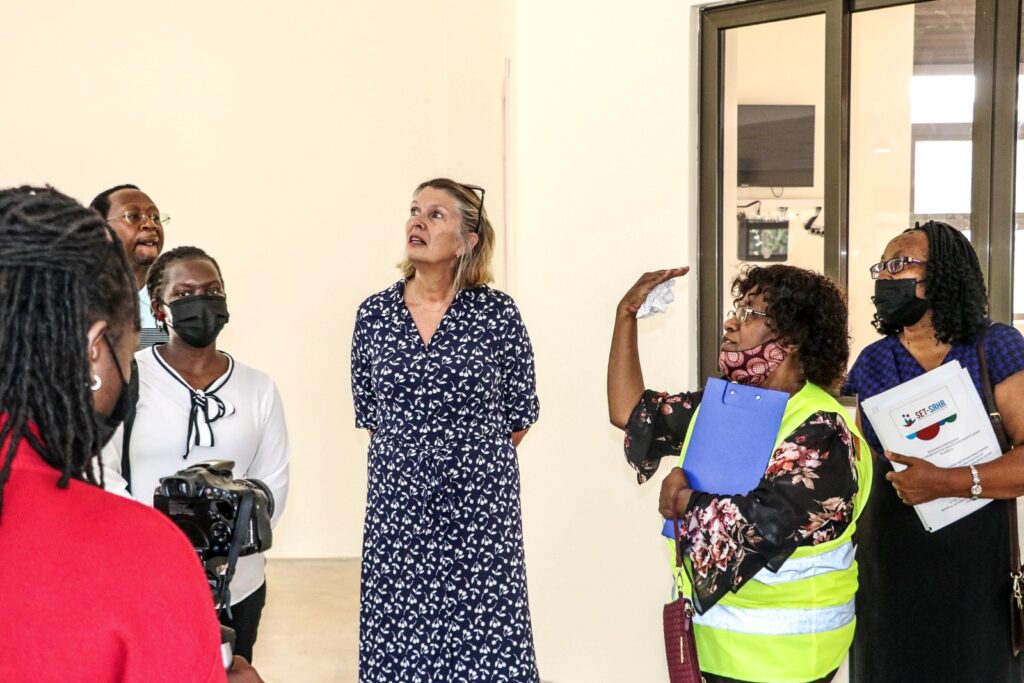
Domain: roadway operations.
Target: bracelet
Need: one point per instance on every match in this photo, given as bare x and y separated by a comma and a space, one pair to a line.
975, 483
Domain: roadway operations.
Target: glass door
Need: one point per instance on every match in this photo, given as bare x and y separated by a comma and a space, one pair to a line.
773, 201
911, 112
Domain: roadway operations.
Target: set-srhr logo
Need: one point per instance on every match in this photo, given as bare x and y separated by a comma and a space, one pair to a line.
923, 418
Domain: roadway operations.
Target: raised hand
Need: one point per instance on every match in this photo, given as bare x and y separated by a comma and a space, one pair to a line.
634, 298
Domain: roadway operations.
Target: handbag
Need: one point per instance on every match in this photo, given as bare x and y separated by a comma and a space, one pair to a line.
677, 616
1016, 569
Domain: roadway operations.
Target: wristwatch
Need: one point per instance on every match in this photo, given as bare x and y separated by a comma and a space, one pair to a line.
975, 483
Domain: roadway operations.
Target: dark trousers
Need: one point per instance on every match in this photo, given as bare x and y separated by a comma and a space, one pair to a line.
712, 678
245, 619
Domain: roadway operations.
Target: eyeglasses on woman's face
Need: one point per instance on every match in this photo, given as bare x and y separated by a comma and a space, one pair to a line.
894, 265
742, 313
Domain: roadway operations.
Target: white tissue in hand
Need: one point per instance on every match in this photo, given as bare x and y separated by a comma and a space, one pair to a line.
658, 300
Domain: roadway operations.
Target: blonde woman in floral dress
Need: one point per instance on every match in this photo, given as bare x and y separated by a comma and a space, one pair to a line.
773, 574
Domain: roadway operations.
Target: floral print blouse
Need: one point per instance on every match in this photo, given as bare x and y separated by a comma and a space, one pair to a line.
805, 497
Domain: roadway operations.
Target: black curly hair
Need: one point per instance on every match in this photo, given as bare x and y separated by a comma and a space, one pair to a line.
954, 285
61, 269
805, 309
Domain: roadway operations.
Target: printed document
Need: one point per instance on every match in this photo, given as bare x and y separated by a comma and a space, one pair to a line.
939, 417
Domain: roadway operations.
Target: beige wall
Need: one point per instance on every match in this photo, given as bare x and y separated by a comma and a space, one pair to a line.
286, 139
605, 144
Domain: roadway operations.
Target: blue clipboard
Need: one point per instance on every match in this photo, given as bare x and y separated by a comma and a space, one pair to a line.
733, 438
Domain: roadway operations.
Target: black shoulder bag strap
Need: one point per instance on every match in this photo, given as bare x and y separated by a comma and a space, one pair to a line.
129, 422
1016, 571
988, 396
243, 520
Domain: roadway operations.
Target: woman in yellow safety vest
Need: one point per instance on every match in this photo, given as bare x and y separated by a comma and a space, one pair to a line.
773, 571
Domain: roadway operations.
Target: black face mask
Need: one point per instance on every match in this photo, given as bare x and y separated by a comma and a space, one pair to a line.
199, 319
897, 304
106, 425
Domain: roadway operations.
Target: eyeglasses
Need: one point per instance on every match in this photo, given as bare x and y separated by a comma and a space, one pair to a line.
134, 219
480, 209
743, 313
894, 265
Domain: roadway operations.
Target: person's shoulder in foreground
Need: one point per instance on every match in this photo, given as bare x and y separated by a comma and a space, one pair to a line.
98, 588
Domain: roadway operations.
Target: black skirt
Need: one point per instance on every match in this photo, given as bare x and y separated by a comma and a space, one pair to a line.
932, 606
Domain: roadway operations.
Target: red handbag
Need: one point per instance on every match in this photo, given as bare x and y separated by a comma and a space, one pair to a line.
680, 644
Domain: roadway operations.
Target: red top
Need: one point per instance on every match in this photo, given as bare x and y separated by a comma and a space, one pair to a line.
98, 588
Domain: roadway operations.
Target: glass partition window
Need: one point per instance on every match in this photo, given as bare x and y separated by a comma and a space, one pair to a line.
773, 153
942, 178
911, 107
911, 152
941, 98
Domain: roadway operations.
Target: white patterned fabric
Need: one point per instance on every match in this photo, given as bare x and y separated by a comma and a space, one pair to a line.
254, 436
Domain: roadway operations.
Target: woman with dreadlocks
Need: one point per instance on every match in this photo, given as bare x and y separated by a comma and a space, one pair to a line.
92, 587
934, 606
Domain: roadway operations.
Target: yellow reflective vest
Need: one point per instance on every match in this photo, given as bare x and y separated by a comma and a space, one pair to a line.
794, 625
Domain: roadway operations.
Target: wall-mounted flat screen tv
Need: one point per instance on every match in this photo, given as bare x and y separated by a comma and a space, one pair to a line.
775, 145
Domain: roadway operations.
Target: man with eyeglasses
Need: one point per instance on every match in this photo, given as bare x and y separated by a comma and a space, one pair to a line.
140, 227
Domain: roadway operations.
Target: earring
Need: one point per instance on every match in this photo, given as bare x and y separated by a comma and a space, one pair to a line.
161, 320
96, 383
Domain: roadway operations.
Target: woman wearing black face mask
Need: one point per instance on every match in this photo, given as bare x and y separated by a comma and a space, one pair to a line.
196, 403
933, 606
118, 585
775, 549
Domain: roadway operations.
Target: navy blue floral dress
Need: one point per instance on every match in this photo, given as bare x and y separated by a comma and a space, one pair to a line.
931, 606
443, 594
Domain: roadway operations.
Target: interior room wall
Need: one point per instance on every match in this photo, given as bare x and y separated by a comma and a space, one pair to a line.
286, 139
605, 146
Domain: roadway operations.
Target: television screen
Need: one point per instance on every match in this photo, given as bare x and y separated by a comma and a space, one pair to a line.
775, 145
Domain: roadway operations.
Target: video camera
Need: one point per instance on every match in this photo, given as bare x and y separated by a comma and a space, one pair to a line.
224, 518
